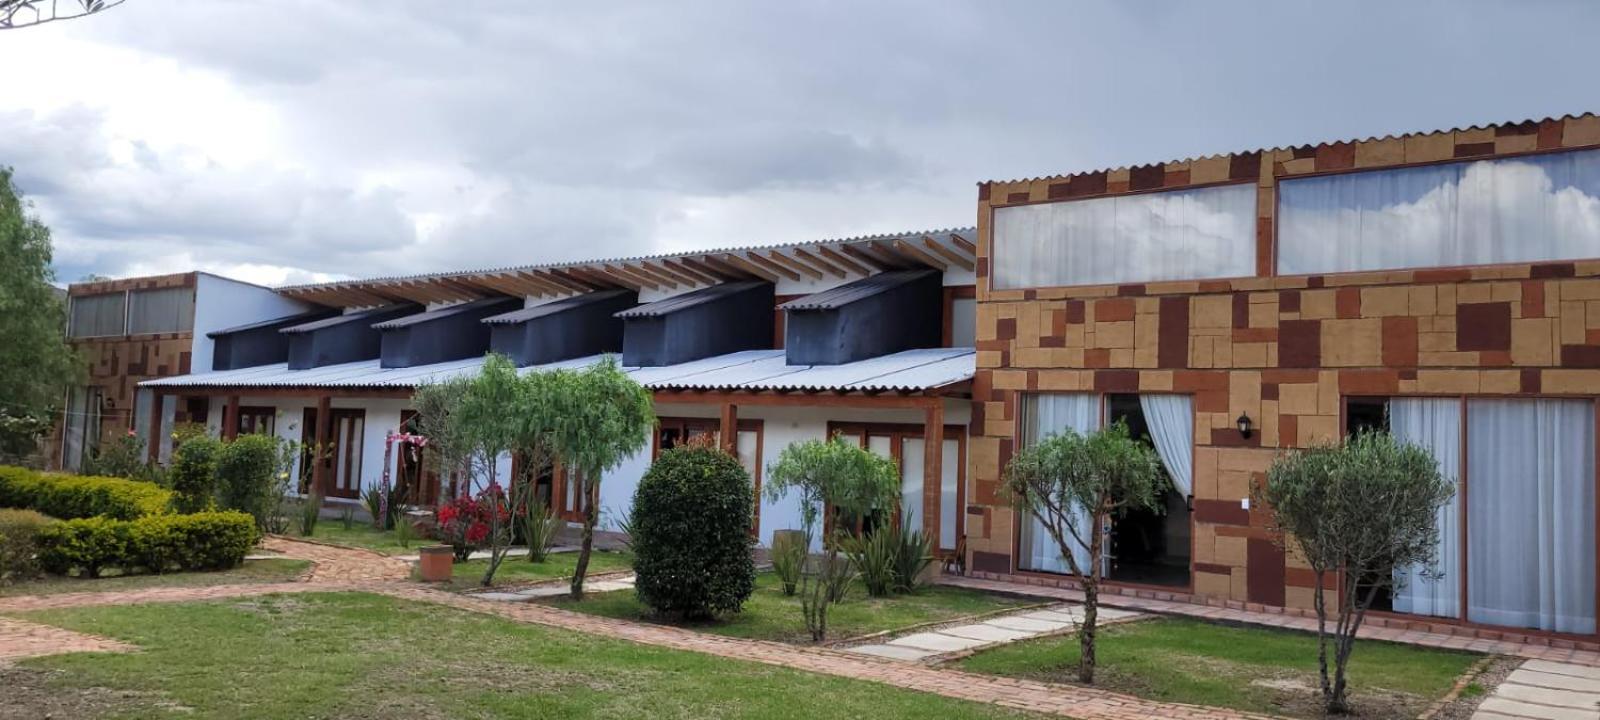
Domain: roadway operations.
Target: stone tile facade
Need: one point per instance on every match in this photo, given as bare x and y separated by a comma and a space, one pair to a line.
1284, 350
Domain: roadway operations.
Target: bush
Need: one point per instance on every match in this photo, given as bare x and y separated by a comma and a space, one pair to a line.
788, 558
124, 457
77, 496
463, 524
201, 541
19, 544
691, 533
874, 559
194, 474
393, 509
246, 476
913, 551
539, 528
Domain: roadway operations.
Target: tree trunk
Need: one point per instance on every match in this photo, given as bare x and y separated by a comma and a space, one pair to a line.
1091, 603
1320, 601
590, 516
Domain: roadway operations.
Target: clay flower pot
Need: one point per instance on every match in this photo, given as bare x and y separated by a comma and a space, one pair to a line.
436, 562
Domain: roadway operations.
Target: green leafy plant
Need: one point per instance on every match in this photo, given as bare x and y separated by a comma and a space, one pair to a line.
1356, 511
281, 495
347, 519
1064, 477
19, 544
123, 457
194, 474
247, 470
913, 552
84, 544
404, 532
539, 528
788, 558
873, 556
691, 533
385, 516
836, 475
310, 514
76, 496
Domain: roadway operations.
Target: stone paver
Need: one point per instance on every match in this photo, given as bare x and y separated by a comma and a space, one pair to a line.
20, 639
937, 642
987, 633
1543, 690
895, 652
340, 564
1134, 604
1029, 625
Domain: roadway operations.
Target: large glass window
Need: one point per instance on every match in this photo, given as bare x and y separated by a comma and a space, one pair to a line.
1173, 235
161, 311
1526, 209
97, 315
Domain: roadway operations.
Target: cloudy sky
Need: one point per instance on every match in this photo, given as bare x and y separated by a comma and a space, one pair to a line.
291, 140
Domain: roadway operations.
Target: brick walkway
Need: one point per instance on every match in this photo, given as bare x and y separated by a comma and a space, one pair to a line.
1290, 622
335, 563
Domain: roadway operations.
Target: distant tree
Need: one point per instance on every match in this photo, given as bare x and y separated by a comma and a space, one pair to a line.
36, 364
840, 477
25, 13
1358, 511
604, 417
1073, 483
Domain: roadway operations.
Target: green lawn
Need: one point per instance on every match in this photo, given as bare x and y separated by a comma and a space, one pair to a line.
1262, 670
517, 569
366, 656
253, 571
769, 615
364, 535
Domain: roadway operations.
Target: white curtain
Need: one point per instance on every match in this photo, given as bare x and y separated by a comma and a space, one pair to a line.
1433, 424
911, 479
1171, 422
949, 505
1173, 235
1046, 415
1526, 209
1530, 514
97, 315
159, 311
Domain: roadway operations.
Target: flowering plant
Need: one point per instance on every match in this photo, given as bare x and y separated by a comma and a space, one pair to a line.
463, 524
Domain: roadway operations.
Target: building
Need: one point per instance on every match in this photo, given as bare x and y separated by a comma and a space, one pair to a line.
142, 328
755, 347
1444, 284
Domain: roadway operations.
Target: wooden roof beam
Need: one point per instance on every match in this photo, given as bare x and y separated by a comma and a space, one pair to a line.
793, 264
871, 260
633, 275
964, 244
887, 252
696, 271
850, 265
918, 254
677, 276
722, 269
563, 277
601, 279
772, 266
750, 267
961, 261
541, 281
826, 266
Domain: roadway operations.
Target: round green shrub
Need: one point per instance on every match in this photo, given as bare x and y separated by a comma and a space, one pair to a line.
245, 475
691, 534
194, 474
19, 544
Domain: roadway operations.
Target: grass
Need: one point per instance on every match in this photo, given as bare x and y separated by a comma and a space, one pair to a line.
770, 615
364, 535
351, 655
253, 571
516, 568
1181, 660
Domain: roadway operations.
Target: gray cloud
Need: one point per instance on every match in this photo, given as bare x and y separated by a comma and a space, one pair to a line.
408, 136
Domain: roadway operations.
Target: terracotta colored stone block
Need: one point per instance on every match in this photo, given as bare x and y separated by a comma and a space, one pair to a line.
1347, 302
1532, 299
1399, 341
1483, 326
1113, 309
1351, 343
1369, 382
1097, 358
1196, 380
1300, 343
1580, 356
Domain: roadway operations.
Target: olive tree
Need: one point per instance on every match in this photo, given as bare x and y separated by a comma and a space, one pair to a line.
836, 476
1073, 483
1359, 511
600, 418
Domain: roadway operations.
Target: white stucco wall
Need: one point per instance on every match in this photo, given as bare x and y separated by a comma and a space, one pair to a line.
221, 303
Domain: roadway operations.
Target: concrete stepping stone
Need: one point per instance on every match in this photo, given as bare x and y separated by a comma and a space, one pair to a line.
1548, 696
1051, 616
503, 596
1537, 678
1513, 708
987, 633
937, 642
1559, 668
894, 652
1028, 625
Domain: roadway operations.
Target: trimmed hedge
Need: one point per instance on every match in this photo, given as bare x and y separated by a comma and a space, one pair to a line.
77, 496
690, 533
19, 544
157, 543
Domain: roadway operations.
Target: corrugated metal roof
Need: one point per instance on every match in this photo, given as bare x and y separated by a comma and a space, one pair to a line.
296, 319
443, 312
553, 307
689, 299
357, 316
850, 292
908, 371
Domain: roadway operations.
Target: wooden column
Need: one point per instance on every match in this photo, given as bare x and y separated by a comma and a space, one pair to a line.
932, 468
730, 429
230, 418
319, 470
154, 450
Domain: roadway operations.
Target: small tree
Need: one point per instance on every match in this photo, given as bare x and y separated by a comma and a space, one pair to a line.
194, 474
246, 470
1067, 479
601, 417
836, 476
1359, 511
691, 533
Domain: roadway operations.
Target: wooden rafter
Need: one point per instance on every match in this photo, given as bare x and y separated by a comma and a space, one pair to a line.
885, 250
872, 260
677, 275
750, 267
919, 254
961, 261
722, 269
964, 244
694, 270
635, 275
551, 286
836, 256
793, 264
772, 266
563, 277
601, 279
827, 266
